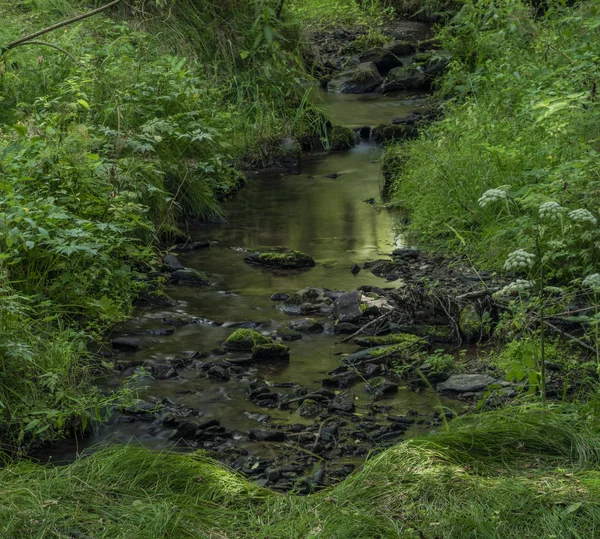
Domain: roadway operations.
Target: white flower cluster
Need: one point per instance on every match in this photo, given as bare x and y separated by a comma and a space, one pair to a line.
583, 216
520, 286
592, 281
519, 260
554, 290
551, 211
490, 196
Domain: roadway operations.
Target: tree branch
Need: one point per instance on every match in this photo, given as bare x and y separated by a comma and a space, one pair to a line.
21, 40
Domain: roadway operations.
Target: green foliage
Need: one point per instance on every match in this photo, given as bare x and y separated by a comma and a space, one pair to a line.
523, 118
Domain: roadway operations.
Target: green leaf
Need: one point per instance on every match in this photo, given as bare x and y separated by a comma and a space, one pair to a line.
20, 129
84, 103
573, 507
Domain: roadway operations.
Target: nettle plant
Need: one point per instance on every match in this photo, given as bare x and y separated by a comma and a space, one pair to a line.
556, 237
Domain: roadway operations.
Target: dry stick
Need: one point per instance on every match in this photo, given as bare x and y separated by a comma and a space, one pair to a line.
569, 336
371, 323
17, 42
478, 293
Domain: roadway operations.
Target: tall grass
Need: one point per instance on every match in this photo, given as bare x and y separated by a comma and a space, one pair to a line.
426, 487
523, 116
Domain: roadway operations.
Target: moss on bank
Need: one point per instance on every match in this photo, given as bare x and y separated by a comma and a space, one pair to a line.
496, 475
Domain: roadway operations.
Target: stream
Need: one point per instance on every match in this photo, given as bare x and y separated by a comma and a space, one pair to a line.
324, 217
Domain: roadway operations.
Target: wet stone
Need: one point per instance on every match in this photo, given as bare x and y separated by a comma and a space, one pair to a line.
345, 328
347, 307
463, 383
219, 373
310, 408
355, 269
280, 297
287, 335
172, 262
343, 402
126, 344
266, 435
306, 325
189, 277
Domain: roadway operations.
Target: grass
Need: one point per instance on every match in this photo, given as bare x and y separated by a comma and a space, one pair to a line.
523, 117
497, 475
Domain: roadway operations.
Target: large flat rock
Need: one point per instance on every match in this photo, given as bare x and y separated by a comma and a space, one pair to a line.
463, 383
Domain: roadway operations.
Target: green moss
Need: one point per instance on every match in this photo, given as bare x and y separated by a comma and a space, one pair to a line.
342, 138
271, 351
244, 339
292, 259
404, 339
441, 332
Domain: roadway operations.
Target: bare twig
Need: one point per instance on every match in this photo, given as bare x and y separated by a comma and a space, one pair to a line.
478, 293
371, 323
29, 37
570, 337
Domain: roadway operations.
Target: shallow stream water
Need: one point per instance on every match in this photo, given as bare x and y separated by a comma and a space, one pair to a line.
326, 218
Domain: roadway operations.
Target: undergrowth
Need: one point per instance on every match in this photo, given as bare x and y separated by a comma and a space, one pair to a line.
112, 131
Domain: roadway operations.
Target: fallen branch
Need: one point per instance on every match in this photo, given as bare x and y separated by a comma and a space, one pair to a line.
371, 323
22, 40
478, 293
570, 337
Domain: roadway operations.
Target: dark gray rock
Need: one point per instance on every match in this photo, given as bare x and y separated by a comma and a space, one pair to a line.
280, 296
345, 328
357, 79
347, 307
344, 402
355, 269
310, 408
400, 48
219, 373
287, 335
127, 344
383, 59
462, 383
266, 435
189, 277
172, 262
406, 78
343, 380
306, 325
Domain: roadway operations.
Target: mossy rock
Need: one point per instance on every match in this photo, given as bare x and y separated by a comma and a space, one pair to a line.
358, 79
405, 339
270, 352
286, 334
470, 323
244, 340
310, 408
342, 138
392, 133
398, 352
287, 260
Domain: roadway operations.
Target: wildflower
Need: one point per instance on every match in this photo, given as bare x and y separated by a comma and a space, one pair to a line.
519, 260
592, 281
520, 286
551, 211
554, 290
583, 216
492, 195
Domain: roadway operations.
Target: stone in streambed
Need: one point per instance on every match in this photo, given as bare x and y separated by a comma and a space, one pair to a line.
342, 138
384, 59
244, 340
347, 307
406, 78
280, 296
306, 325
287, 335
310, 408
358, 79
288, 260
127, 344
273, 351
189, 276
219, 373
172, 262
463, 383
266, 435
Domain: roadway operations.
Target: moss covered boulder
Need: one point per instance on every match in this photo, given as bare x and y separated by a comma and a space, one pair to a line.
244, 340
310, 408
358, 79
271, 352
286, 260
342, 138
394, 133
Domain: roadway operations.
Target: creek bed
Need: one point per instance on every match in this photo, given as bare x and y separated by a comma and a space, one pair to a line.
307, 211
